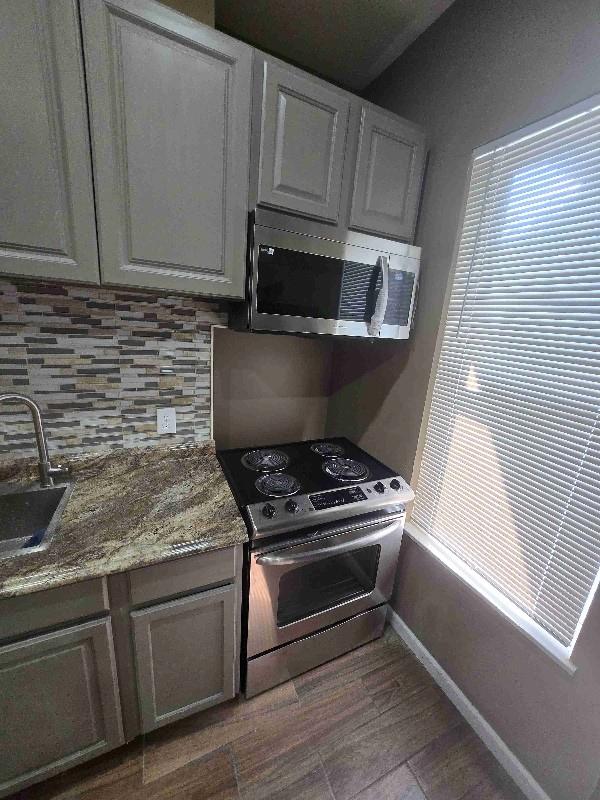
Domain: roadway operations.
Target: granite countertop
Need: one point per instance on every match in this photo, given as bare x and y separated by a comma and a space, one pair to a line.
129, 508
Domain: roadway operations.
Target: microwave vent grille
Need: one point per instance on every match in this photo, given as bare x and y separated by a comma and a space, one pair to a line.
360, 286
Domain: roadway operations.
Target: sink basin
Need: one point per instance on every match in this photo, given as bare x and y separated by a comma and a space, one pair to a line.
28, 518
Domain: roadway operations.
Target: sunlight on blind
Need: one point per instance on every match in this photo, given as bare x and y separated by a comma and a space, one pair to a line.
510, 471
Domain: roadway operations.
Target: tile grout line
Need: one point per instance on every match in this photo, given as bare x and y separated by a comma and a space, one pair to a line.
236, 771
392, 769
143, 758
405, 762
332, 793
416, 777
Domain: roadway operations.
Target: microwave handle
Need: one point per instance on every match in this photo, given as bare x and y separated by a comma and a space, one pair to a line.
376, 322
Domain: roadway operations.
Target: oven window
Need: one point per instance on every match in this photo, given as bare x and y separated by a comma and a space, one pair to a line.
307, 285
323, 584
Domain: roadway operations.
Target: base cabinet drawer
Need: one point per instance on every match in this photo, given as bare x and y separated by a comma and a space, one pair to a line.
59, 703
185, 654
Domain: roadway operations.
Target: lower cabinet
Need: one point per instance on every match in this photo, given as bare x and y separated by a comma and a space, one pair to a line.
59, 703
164, 643
185, 655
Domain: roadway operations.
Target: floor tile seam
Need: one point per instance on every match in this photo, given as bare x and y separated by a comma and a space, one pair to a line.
236, 771
380, 778
416, 777
424, 747
408, 696
369, 721
335, 681
143, 758
303, 749
331, 792
225, 746
406, 719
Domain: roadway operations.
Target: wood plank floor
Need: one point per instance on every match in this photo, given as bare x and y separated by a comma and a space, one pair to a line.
371, 725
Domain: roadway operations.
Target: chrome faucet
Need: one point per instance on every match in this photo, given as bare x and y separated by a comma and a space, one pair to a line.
45, 468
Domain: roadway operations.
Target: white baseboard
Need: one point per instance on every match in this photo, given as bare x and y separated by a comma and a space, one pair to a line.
520, 775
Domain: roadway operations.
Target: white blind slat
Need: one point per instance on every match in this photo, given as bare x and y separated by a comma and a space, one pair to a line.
510, 469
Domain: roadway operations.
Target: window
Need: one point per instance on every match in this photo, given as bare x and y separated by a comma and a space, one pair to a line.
509, 479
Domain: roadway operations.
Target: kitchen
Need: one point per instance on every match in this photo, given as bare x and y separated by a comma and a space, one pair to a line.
128, 293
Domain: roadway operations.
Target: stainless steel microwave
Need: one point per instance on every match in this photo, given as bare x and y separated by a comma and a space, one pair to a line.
363, 286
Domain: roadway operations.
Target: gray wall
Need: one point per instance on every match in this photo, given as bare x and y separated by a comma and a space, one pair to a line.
268, 389
483, 69
202, 10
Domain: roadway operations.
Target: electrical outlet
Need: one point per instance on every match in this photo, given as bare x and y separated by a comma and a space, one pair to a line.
166, 420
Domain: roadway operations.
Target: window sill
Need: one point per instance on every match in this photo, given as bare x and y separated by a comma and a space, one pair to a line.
535, 633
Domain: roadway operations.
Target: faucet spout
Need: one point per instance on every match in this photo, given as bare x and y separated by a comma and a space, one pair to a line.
45, 468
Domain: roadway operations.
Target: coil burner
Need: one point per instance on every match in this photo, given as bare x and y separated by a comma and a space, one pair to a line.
277, 484
265, 460
345, 469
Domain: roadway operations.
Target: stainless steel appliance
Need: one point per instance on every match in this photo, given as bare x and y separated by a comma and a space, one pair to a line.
364, 286
325, 521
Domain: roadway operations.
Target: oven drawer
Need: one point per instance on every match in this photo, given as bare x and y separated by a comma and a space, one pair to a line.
297, 590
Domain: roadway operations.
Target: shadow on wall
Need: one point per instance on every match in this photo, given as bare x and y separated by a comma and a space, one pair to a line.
356, 359
363, 378
269, 389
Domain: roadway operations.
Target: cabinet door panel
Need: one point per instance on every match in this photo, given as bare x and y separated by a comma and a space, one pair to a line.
58, 703
389, 172
303, 139
170, 126
185, 655
47, 225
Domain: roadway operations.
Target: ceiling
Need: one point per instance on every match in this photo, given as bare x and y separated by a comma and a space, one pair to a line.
350, 42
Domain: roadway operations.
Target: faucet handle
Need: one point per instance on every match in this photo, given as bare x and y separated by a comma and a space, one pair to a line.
58, 471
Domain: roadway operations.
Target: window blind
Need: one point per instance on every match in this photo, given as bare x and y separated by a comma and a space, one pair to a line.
510, 469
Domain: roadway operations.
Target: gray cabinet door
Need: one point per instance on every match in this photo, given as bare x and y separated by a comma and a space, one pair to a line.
185, 653
170, 118
58, 703
302, 143
389, 172
47, 225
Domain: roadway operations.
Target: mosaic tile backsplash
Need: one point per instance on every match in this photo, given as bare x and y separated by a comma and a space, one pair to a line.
100, 362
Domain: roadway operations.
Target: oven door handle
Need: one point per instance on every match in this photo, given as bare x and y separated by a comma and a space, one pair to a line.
322, 552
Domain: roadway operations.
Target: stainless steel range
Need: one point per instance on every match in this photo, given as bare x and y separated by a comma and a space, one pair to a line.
325, 521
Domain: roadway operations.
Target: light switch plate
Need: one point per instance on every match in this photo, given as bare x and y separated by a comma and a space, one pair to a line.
166, 420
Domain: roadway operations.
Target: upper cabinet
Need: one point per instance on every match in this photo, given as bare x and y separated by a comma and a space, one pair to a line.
326, 155
153, 188
47, 226
170, 118
388, 175
303, 134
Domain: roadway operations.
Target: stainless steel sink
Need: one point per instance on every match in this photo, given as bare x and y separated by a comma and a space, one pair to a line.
29, 517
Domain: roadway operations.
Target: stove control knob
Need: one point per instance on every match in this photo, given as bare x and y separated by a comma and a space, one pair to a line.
291, 506
395, 485
269, 510
379, 487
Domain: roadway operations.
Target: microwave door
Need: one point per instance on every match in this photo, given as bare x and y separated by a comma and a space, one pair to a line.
315, 286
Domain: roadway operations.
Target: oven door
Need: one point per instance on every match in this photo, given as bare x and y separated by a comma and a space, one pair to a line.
297, 590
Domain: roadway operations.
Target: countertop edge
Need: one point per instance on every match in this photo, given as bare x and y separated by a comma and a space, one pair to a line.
65, 579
